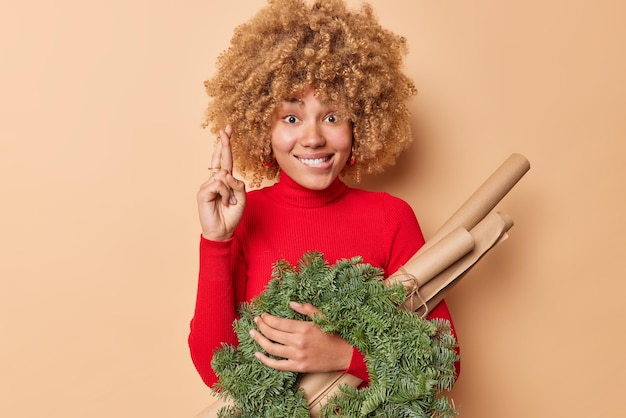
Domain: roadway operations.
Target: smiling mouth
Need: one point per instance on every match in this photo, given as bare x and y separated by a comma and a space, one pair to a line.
315, 162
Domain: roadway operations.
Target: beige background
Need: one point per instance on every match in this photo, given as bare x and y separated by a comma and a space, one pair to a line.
101, 154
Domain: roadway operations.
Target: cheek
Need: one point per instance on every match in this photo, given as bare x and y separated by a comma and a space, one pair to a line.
343, 140
281, 143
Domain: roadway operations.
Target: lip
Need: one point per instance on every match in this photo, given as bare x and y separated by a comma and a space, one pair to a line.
316, 161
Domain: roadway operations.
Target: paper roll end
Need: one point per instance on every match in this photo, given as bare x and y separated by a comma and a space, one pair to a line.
507, 219
520, 161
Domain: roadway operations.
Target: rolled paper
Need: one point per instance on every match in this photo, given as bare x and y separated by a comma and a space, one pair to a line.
484, 199
486, 234
425, 265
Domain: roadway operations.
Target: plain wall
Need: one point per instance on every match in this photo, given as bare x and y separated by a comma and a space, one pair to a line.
101, 153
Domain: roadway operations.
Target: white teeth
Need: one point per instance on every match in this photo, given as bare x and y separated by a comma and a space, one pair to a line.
313, 162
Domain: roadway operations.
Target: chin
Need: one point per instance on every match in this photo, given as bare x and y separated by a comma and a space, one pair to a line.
315, 184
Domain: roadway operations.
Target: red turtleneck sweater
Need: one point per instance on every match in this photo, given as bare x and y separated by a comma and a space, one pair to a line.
283, 221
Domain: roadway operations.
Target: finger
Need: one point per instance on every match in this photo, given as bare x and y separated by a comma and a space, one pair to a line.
217, 155
273, 328
285, 325
226, 194
238, 190
210, 182
226, 157
305, 309
276, 364
215, 189
271, 347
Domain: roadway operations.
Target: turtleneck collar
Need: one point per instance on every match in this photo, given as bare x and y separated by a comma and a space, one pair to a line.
287, 191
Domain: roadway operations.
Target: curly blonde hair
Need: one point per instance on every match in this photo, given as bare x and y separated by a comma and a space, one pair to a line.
345, 55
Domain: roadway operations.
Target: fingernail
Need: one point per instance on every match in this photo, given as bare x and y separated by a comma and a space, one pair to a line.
252, 333
233, 200
296, 304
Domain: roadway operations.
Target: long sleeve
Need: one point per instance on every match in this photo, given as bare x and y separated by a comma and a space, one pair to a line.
215, 308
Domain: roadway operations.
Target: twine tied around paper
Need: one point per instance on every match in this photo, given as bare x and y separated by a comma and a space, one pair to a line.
413, 292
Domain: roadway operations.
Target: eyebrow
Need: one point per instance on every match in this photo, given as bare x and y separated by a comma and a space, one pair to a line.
301, 103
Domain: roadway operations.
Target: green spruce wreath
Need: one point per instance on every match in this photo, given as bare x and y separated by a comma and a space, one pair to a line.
410, 360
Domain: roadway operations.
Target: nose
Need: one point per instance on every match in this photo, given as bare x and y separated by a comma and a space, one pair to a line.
313, 136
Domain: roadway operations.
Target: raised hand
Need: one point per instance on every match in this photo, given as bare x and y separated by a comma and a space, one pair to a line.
302, 345
222, 198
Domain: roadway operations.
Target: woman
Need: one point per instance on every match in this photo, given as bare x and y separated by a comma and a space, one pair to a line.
306, 94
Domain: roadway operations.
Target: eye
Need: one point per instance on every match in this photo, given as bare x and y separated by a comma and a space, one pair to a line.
332, 118
291, 119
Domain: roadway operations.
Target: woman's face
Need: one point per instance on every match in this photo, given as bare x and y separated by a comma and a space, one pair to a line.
311, 140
